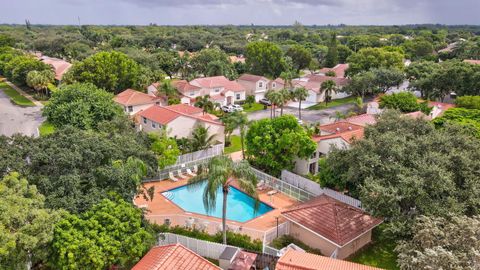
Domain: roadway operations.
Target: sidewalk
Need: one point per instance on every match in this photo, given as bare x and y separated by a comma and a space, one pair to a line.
36, 102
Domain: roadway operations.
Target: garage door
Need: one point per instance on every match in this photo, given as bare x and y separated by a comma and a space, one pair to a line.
312, 97
259, 96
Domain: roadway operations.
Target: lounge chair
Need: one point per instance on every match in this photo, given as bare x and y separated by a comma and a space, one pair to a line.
195, 169
173, 178
180, 174
261, 185
189, 172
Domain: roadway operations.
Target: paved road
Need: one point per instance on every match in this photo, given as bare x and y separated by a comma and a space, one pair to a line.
309, 116
16, 119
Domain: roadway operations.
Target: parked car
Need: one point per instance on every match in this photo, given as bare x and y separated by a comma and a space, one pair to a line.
228, 108
265, 101
237, 108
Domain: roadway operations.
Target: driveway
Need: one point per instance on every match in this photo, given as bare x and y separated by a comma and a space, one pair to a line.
17, 119
324, 116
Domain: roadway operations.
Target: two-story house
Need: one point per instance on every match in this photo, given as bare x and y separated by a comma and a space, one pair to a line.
220, 89
313, 84
134, 101
339, 135
179, 120
258, 85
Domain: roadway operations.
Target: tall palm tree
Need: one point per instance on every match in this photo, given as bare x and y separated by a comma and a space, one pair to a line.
221, 173
205, 103
269, 95
201, 140
167, 89
233, 121
300, 94
328, 87
285, 96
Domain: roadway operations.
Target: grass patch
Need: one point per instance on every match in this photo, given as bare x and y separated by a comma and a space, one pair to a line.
15, 97
235, 145
333, 103
379, 254
286, 240
46, 128
253, 108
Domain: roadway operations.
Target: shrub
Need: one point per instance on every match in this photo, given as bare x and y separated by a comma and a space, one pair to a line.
468, 102
403, 101
330, 73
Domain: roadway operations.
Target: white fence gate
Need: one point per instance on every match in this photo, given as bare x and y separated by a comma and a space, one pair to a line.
201, 247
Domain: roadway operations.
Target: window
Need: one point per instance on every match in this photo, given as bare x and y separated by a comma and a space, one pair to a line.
274, 85
154, 125
238, 96
192, 93
260, 84
130, 108
312, 168
217, 90
158, 103
314, 155
144, 120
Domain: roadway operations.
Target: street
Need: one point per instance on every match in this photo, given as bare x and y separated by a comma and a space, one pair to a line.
17, 119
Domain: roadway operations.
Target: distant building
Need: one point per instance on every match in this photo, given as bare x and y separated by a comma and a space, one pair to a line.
134, 101
338, 69
313, 84
60, 66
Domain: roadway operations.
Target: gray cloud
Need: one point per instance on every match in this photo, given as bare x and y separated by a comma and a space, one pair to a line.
176, 12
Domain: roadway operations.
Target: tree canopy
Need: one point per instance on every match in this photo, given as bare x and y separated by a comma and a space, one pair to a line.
369, 58
81, 105
273, 144
264, 58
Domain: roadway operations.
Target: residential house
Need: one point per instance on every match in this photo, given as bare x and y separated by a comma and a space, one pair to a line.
173, 257
362, 119
338, 69
179, 120
134, 101
337, 229
313, 82
258, 85
60, 66
220, 89
298, 260
339, 135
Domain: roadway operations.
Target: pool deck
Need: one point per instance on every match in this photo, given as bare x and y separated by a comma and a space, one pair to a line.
161, 206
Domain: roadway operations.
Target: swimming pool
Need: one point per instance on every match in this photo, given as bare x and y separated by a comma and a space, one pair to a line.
240, 206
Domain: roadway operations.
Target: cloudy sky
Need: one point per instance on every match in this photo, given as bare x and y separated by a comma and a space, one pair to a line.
271, 12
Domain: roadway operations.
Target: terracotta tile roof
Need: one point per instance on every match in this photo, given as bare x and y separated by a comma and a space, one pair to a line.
417, 114
345, 130
173, 257
471, 61
252, 78
187, 109
336, 221
362, 119
132, 97
441, 105
183, 86
218, 81
338, 69
235, 59
313, 82
60, 66
165, 115
297, 260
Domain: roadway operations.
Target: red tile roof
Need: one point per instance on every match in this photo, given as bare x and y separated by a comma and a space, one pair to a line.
165, 115
243, 261
218, 81
313, 82
173, 257
235, 59
471, 61
345, 130
183, 86
338, 69
185, 108
336, 221
60, 66
362, 119
252, 78
297, 260
132, 97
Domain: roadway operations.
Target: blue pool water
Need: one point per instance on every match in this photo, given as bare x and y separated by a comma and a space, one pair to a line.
240, 206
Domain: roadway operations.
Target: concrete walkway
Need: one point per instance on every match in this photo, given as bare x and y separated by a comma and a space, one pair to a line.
23, 93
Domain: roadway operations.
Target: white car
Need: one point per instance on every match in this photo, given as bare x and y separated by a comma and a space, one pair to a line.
237, 108
228, 108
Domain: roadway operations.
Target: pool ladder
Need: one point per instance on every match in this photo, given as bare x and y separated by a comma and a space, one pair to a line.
169, 195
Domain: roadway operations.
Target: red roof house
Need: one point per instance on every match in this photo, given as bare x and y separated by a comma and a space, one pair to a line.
332, 226
338, 69
173, 257
134, 101
297, 260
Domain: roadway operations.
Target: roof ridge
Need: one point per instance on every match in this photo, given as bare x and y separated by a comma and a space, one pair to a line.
188, 115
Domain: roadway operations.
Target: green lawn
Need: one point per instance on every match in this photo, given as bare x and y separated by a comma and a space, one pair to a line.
333, 103
379, 254
46, 128
235, 145
15, 97
253, 108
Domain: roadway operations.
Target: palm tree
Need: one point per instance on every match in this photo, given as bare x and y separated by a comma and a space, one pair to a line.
39, 80
205, 103
233, 121
328, 87
201, 140
222, 172
300, 94
269, 95
285, 96
167, 89
136, 170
